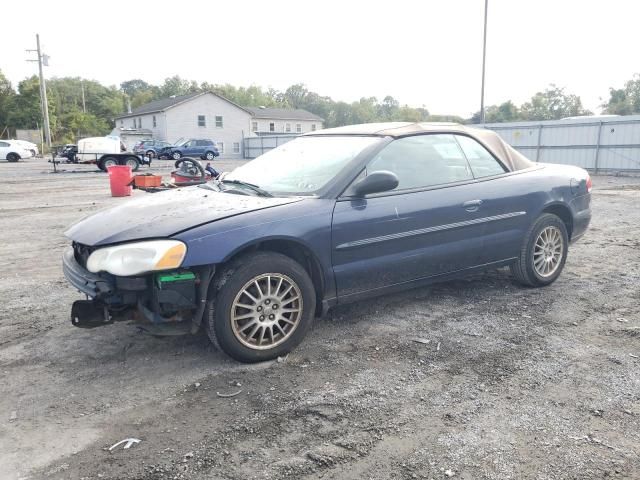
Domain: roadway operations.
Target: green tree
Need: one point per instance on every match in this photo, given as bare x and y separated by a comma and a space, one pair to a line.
552, 104
7, 99
624, 101
505, 112
26, 111
177, 86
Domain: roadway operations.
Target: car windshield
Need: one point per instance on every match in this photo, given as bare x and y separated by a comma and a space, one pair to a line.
302, 166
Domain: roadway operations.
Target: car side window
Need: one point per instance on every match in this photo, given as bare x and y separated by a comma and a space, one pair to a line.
423, 161
482, 163
4, 144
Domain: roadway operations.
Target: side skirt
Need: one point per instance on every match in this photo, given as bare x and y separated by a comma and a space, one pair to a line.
419, 282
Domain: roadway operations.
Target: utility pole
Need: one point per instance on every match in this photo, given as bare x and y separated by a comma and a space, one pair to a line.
84, 106
44, 104
484, 57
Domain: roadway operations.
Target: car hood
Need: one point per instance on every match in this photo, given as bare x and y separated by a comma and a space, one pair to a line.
157, 215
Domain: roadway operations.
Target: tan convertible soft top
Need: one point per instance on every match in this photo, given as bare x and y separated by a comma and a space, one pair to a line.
509, 156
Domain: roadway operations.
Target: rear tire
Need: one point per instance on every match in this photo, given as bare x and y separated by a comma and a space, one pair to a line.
209, 156
151, 154
13, 157
281, 300
107, 162
543, 252
133, 162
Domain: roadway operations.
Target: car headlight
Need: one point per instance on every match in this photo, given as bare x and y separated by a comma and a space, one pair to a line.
137, 257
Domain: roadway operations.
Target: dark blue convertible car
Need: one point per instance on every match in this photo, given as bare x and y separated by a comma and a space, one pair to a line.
331, 217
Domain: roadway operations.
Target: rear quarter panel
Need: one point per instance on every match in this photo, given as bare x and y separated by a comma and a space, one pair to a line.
552, 185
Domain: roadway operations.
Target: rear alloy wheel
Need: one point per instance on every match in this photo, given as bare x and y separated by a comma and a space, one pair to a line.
176, 155
263, 309
133, 163
210, 156
543, 252
13, 157
151, 154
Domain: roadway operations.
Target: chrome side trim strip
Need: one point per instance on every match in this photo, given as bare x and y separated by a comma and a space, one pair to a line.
422, 231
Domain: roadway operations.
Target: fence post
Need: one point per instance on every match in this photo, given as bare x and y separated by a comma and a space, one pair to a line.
538, 146
598, 148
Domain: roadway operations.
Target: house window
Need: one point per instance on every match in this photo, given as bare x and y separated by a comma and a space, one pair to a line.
220, 147
298, 127
254, 126
287, 127
154, 121
236, 147
272, 127
218, 121
202, 121
313, 127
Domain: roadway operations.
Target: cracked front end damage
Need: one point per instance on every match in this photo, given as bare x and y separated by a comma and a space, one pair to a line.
167, 302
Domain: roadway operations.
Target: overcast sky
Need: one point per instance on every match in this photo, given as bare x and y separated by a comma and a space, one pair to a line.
421, 52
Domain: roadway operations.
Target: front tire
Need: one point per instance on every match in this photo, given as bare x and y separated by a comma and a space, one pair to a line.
543, 253
176, 155
264, 305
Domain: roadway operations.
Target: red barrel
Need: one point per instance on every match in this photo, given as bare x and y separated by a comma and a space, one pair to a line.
119, 179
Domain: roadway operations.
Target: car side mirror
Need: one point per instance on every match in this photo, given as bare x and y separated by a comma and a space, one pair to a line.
375, 182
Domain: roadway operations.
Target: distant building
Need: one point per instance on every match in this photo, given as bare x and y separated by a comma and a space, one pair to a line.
208, 115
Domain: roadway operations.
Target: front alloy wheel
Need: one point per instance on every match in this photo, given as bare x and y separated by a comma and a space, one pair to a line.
263, 304
266, 311
176, 155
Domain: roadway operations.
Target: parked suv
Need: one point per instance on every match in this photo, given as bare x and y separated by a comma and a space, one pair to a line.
150, 148
194, 147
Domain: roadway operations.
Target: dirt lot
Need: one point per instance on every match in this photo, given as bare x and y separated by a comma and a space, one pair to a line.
506, 382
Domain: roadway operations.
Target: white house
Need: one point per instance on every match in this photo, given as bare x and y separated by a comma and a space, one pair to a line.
274, 121
211, 116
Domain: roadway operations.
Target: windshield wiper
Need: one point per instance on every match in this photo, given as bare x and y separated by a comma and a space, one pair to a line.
251, 186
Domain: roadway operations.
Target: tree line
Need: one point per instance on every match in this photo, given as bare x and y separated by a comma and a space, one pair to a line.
81, 108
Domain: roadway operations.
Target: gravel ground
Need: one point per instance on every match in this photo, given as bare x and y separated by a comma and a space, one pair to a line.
477, 378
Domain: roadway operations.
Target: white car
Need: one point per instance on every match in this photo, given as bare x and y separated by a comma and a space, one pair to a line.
28, 145
13, 151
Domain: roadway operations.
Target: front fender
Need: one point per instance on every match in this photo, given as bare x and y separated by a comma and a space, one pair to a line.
307, 223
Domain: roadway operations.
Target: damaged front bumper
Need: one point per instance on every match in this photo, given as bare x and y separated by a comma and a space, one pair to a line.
145, 298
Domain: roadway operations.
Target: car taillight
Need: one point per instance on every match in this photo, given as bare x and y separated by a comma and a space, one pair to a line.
589, 184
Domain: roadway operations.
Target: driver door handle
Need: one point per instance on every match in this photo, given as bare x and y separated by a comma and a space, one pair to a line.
472, 205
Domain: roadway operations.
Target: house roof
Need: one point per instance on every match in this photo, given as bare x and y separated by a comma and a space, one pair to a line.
283, 114
160, 105
257, 112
